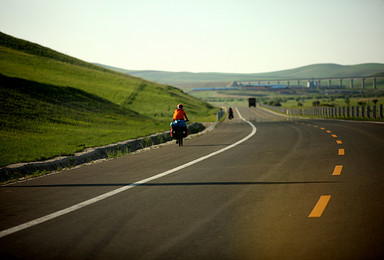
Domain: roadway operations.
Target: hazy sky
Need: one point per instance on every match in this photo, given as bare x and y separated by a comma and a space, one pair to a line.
241, 36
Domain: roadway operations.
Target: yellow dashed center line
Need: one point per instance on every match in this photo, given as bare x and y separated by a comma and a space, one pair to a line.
337, 170
324, 199
320, 206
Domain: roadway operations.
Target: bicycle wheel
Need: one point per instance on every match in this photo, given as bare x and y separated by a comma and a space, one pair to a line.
180, 141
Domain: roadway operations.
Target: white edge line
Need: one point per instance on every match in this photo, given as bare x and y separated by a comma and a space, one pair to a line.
124, 188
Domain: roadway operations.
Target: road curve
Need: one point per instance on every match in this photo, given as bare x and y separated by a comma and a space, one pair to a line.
295, 189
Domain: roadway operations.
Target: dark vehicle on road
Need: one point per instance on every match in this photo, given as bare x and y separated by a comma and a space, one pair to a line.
251, 102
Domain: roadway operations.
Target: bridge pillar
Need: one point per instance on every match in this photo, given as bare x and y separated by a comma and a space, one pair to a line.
298, 83
288, 83
330, 83
341, 82
319, 83
374, 83
351, 85
362, 83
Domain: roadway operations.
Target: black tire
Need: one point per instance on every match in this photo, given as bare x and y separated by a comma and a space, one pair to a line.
180, 141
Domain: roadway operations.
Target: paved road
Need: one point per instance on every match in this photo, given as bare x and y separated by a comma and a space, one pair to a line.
295, 189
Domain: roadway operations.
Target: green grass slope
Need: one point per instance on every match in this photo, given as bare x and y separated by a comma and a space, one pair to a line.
39, 121
52, 104
38, 50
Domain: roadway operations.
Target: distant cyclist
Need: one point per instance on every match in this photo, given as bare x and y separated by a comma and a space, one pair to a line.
230, 113
178, 118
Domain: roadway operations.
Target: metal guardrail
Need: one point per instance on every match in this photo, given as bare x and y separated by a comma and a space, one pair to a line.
351, 112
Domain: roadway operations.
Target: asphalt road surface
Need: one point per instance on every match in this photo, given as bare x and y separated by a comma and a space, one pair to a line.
266, 187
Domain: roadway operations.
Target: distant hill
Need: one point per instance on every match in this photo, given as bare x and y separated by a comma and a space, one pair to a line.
330, 70
380, 74
310, 71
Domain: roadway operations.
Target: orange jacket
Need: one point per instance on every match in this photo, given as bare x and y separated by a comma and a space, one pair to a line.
179, 114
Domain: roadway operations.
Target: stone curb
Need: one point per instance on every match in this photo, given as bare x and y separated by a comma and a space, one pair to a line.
92, 154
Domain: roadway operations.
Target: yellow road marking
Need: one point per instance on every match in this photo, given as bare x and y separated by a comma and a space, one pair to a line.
337, 170
322, 128
341, 152
339, 142
334, 136
315, 126
328, 131
320, 206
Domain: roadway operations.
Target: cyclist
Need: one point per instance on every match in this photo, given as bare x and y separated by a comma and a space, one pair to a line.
178, 118
230, 113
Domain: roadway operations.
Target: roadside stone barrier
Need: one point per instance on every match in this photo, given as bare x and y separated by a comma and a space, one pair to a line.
20, 170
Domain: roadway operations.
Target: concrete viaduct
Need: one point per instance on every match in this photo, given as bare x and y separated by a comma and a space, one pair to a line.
316, 82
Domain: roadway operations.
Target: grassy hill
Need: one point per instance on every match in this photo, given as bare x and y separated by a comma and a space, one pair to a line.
311, 71
52, 104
